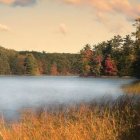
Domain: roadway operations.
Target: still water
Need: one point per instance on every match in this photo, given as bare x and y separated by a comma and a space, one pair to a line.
22, 92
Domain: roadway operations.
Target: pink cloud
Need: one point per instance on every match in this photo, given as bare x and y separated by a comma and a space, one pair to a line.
7, 1
4, 28
126, 7
130, 10
105, 10
63, 28
73, 1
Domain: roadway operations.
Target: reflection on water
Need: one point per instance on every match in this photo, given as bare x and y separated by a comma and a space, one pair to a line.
23, 92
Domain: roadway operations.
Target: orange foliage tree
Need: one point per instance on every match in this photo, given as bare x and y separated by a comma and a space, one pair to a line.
54, 69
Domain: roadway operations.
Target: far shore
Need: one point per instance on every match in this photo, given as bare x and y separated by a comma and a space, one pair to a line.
103, 76
123, 77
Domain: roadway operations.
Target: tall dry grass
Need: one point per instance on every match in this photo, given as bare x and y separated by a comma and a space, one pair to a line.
133, 88
119, 120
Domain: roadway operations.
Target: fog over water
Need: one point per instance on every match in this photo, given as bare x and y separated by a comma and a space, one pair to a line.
22, 92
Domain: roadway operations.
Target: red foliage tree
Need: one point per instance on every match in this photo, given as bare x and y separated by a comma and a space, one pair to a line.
110, 66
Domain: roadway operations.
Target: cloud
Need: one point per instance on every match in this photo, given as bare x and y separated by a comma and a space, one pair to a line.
105, 11
63, 29
18, 2
129, 8
7, 1
72, 1
24, 2
4, 28
126, 7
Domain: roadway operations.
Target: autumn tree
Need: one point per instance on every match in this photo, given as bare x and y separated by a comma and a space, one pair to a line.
54, 69
96, 62
86, 59
109, 66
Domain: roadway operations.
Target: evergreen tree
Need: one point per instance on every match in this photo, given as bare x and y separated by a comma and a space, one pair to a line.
4, 65
137, 48
30, 63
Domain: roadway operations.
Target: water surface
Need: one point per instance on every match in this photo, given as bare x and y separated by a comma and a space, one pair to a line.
22, 92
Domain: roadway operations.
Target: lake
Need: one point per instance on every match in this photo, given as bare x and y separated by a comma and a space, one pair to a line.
19, 92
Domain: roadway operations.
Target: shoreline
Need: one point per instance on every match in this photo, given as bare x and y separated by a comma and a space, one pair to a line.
115, 77
123, 77
132, 88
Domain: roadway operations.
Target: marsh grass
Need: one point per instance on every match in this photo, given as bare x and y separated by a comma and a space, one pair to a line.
112, 120
133, 88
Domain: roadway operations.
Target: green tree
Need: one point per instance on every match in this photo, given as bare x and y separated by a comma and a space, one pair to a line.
17, 65
4, 65
137, 48
125, 57
30, 63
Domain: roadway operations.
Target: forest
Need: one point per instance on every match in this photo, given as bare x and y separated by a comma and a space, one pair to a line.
119, 56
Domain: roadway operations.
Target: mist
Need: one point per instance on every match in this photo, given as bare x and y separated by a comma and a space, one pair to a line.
23, 92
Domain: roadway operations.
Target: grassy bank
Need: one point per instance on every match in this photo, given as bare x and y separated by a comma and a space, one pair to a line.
133, 88
119, 120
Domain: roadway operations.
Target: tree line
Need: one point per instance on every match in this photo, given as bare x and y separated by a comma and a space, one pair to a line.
37, 63
119, 56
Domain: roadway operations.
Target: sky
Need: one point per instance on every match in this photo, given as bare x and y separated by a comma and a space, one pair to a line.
64, 25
